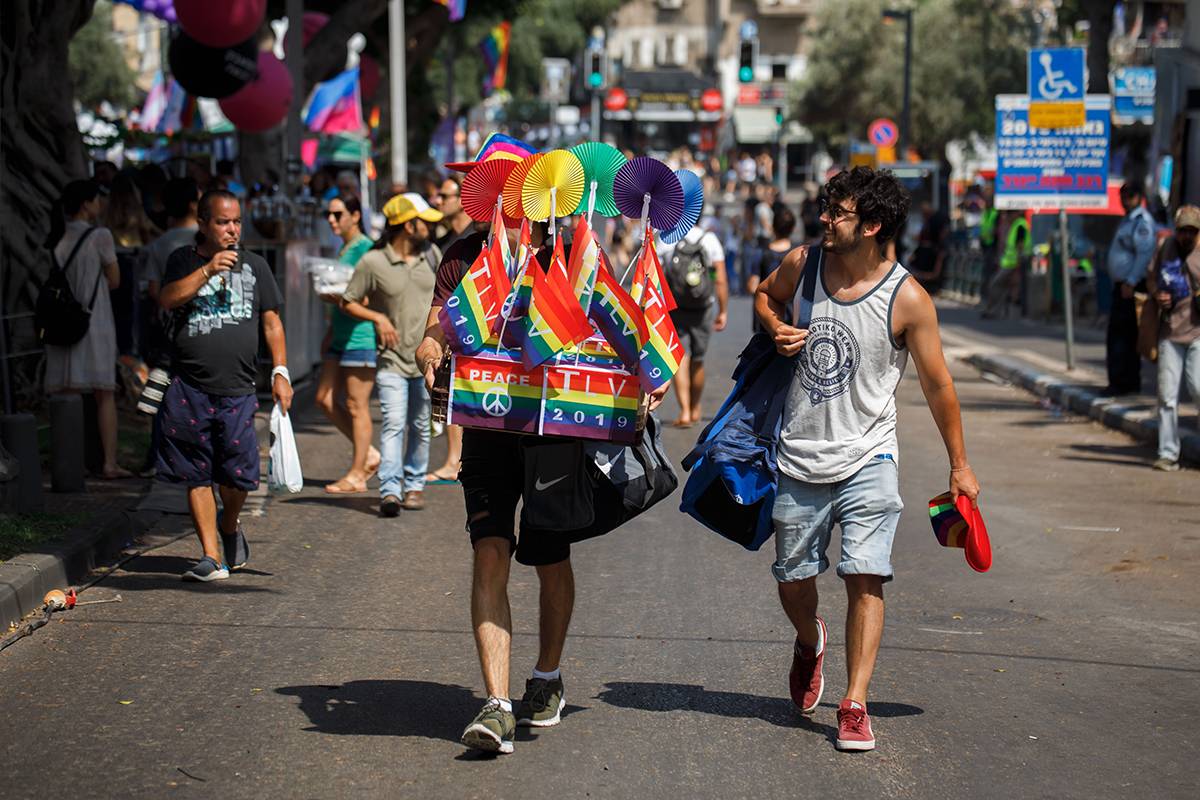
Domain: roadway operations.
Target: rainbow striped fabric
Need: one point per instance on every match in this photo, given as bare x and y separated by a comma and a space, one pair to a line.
617, 317
554, 320
585, 257
467, 314
662, 352
495, 391
948, 524
649, 271
457, 8
495, 57
590, 404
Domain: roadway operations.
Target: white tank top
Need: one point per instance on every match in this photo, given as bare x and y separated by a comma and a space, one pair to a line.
840, 410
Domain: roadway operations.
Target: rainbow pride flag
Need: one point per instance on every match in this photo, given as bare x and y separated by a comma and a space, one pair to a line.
585, 256
498, 258
457, 8
590, 404
617, 317
495, 391
662, 352
554, 320
649, 271
466, 318
495, 57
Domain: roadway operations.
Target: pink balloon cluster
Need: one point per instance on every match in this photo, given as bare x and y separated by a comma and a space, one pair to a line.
220, 23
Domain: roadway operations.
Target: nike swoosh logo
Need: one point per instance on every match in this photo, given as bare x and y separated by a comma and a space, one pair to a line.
539, 486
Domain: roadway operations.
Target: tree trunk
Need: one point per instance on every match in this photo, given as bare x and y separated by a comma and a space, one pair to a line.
1100, 28
40, 145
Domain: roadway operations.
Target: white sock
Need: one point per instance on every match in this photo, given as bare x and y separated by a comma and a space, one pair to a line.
504, 702
553, 675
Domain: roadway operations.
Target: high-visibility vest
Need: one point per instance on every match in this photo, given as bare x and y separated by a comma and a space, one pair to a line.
987, 227
1012, 254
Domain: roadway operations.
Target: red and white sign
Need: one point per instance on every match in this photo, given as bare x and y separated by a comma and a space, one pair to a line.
749, 95
883, 133
616, 99
710, 100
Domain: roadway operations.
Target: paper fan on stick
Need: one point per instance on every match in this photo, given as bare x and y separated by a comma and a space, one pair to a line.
693, 204
646, 186
483, 186
553, 186
514, 206
600, 165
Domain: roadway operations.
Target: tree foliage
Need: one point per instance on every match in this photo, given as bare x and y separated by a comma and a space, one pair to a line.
964, 53
98, 66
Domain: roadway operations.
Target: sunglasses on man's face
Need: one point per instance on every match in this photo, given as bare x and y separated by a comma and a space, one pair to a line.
337, 215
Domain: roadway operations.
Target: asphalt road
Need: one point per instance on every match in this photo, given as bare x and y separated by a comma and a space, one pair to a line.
342, 664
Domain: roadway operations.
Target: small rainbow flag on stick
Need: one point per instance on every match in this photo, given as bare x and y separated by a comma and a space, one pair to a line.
495, 57
617, 317
468, 313
555, 321
650, 272
662, 351
585, 256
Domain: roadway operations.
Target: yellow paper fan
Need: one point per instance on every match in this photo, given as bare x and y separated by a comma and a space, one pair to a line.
560, 171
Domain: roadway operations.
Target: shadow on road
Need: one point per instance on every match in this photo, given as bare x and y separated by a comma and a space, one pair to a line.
363, 503
686, 697
387, 708
154, 573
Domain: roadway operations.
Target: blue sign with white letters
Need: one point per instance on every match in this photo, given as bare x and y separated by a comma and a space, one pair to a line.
1057, 73
1133, 94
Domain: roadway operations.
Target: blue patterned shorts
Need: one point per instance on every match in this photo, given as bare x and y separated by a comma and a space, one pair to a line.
207, 439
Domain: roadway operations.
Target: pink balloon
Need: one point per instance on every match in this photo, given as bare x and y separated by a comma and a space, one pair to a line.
263, 102
312, 23
220, 23
369, 76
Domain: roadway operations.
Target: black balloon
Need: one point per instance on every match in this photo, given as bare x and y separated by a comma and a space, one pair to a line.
212, 71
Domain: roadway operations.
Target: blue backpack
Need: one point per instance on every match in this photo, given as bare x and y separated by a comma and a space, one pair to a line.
733, 470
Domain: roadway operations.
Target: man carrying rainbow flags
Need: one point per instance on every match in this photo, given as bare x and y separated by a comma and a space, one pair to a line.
516, 290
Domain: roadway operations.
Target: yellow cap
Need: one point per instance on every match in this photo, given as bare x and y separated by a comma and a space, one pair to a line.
404, 207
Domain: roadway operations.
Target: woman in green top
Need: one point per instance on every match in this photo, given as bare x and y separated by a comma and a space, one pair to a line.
348, 369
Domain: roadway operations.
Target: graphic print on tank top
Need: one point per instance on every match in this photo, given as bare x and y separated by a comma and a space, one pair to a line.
828, 361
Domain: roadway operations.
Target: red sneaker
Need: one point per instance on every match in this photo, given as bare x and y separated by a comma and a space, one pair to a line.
854, 727
807, 680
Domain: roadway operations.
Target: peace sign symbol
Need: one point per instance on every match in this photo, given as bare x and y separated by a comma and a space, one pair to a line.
496, 402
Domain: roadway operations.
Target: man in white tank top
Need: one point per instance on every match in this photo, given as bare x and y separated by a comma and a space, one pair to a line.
837, 453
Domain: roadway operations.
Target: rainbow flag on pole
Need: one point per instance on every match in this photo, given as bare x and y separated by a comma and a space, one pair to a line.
617, 317
335, 105
649, 271
662, 352
585, 256
457, 8
495, 57
590, 403
495, 392
468, 313
555, 320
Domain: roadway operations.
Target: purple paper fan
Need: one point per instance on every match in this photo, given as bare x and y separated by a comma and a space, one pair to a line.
644, 175
693, 204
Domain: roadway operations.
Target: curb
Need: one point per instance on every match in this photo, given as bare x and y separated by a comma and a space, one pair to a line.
1083, 399
25, 578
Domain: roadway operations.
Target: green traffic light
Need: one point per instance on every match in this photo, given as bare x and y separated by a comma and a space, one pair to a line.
595, 80
745, 74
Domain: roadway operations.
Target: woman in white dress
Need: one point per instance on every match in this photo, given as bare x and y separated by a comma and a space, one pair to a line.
90, 364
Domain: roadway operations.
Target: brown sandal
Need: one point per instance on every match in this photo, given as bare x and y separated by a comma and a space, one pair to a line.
344, 486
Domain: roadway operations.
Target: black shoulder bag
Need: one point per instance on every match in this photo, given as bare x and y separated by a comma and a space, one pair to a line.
60, 318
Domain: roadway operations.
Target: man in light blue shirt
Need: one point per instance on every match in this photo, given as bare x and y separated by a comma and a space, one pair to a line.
1128, 259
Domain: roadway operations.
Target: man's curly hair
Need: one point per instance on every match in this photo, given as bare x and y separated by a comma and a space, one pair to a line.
878, 197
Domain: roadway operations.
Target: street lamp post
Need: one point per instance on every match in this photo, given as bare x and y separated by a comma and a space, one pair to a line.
906, 111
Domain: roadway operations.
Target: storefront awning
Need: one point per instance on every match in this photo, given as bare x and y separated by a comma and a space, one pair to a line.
664, 115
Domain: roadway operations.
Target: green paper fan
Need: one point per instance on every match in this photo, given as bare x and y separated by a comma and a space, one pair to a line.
600, 163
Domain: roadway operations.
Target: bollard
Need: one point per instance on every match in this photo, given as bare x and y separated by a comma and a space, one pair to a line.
66, 443
19, 434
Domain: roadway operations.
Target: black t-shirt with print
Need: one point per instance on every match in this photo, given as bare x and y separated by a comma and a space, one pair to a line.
215, 334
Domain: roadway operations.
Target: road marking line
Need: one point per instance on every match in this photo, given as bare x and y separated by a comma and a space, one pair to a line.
1088, 529
954, 633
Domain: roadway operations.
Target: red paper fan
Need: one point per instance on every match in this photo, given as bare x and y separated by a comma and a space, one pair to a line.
514, 185
482, 186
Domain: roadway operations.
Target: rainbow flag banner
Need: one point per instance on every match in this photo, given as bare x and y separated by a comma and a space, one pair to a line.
662, 351
494, 390
590, 403
467, 316
595, 352
554, 320
495, 57
617, 316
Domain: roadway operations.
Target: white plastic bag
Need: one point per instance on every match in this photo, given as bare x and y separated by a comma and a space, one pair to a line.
283, 466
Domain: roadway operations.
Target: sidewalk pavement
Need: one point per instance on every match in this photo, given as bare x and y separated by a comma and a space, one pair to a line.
1033, 356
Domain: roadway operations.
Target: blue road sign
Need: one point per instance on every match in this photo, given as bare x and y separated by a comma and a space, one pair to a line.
1056, 73
1133, 94
883, 133
1039, 168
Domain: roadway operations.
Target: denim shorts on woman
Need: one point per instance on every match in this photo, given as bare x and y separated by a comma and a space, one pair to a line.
866, 506
207, 439
352, 358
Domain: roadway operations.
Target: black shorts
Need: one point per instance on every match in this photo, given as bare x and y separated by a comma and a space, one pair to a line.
207, 438
695, 327
493, 481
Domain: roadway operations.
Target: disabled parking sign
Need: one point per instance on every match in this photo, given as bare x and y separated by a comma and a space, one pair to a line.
1057, 83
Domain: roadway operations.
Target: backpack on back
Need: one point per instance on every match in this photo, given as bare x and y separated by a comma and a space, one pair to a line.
59, 317
689, 275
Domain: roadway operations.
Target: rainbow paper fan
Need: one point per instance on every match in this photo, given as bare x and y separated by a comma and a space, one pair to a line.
557, 174
644, 176
693, 204
514, 207
483, 186
600, 164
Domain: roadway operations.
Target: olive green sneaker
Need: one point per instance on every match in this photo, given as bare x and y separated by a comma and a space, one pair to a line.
492, 729
542, 704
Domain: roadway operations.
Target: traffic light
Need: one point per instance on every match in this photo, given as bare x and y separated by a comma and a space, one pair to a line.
779, 117
747, 55
595, 72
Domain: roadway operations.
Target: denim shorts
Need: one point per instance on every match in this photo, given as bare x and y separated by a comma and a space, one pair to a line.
352, 358
866, 506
